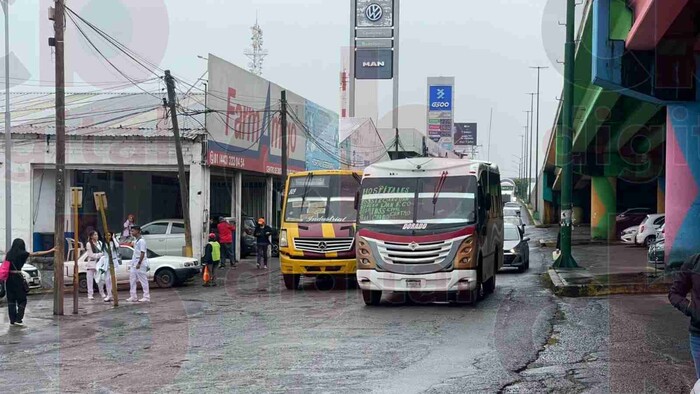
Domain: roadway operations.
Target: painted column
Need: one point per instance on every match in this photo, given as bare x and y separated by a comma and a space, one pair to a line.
661, 195
199, 204
682, 182
603, 207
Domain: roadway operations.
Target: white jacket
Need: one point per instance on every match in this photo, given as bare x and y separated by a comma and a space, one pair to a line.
92, 256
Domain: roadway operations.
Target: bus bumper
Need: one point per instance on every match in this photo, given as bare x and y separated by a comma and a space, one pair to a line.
296, 266
457, 280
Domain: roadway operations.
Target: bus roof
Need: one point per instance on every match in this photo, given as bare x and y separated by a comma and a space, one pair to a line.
428, 164
326, 172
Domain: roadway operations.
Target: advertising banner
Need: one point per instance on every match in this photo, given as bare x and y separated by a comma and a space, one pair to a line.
465, 134
244, 121
322, 146
440, 122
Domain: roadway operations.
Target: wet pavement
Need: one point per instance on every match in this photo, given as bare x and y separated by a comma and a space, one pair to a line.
251, 335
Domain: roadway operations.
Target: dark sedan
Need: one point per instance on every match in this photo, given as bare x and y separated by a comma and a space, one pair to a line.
516, 251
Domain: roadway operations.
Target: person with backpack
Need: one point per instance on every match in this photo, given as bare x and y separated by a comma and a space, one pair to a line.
15, 285
211, 259
687, 280
94, 252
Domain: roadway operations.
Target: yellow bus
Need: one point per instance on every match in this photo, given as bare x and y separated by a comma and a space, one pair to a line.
317, 236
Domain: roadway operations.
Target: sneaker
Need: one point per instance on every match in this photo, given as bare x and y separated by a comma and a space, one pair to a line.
264, 267
131, 299
19, 324
106, 299
258, 265
90, 298
145, 300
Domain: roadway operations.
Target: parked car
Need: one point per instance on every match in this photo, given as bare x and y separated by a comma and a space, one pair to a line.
630, 217
165, 237
516, 221
629, 235
31, 275
511, 212
661, 232
655, 255
646, 235
516, 251
165, 271
514, 205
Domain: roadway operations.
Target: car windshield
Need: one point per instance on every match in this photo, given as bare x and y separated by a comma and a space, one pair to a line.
510, 212
426, 200
511, 233
321, 198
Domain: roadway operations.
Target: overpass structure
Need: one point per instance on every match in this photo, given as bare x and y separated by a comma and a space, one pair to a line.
636, 137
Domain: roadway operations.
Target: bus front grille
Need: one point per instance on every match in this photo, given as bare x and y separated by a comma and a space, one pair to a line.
414, 253
324, 245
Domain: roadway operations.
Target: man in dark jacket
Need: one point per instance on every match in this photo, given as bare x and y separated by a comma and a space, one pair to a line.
687, 280
262, 234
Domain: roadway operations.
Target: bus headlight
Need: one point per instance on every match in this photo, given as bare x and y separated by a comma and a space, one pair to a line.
365, 259
466, 254
283, 238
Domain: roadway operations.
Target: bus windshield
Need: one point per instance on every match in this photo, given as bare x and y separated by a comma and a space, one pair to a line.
432, 200
321, 198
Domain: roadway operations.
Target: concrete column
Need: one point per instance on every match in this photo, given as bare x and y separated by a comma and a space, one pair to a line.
237, 195
682, 182
199, 204
603, 207
661, 195
269, 191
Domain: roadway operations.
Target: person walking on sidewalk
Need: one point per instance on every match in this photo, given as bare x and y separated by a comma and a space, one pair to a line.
94, 254
138, 268
226, 232
687, 280
211, 260
116, 261
15, 284
262, 234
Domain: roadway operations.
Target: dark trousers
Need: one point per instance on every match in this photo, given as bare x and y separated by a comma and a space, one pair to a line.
227, 253
262, 254
16, 304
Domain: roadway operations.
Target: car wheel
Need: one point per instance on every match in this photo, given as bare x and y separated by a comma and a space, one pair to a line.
649, 240
372, 297
490, 284
82, 283
291, 282
165, 278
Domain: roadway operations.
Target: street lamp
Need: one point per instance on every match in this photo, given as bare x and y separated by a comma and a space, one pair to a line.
8, 133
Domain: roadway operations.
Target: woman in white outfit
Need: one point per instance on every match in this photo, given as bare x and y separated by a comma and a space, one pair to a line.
94, 254
103, 265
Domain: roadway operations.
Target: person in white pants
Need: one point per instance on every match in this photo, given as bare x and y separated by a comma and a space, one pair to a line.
108, 277
138, 268
94, 254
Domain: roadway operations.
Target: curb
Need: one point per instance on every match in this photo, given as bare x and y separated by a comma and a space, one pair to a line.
563, 289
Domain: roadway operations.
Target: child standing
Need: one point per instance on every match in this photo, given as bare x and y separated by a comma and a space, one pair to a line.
211, 259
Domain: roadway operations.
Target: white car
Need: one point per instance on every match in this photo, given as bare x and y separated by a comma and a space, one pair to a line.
166, 271
646, 235
661, 232
165, 237
31, 275
629, 235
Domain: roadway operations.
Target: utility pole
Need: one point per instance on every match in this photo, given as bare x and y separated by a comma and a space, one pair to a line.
184, 190
525, 152
283, 122
537, 141
529, 152
488, 150
60, 202
566, 260
8, 132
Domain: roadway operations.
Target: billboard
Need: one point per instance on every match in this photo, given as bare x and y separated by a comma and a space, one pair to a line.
374, 64
244, 121
322, 144
440, 119
465, 134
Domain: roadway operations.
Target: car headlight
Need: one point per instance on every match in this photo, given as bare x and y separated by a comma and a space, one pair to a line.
513, 251
365, 259
466, 258
283, 238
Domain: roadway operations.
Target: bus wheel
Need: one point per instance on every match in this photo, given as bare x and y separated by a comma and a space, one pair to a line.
490, 285
291, 282
372, 297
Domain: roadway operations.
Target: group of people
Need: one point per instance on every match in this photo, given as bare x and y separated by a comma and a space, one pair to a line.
222, 246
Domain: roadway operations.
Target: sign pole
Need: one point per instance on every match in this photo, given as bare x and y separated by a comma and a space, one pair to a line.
76, 203
101, 205
395, 119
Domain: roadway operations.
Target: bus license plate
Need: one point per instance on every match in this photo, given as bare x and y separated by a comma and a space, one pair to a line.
413, 283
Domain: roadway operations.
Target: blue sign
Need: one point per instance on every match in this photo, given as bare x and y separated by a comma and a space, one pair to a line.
440, 98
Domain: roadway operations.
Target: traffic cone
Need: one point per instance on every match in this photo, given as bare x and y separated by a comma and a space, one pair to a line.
207, 276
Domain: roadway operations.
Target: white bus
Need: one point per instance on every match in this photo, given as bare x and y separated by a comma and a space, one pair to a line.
429, 225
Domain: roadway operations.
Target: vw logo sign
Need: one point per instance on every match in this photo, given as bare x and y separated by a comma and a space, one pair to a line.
322, 245
374, 12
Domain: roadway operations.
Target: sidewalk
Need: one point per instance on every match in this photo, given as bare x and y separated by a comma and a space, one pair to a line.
604, 269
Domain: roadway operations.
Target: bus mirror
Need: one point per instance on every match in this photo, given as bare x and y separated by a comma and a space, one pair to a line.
357, 200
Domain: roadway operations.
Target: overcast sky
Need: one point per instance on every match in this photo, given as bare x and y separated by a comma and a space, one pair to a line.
487, 45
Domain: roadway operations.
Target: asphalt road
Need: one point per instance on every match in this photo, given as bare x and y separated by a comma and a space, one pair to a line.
251, 335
